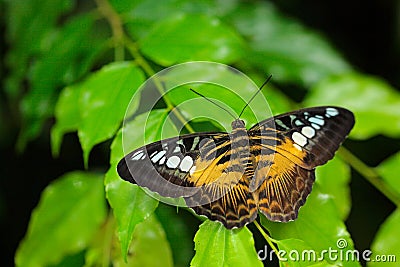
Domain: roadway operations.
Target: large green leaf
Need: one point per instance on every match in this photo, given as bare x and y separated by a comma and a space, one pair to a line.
318, 225
102, 103
389, 170
386, 245
375, 103
68, 215
195, 37
131, 205
217, 246
284, 47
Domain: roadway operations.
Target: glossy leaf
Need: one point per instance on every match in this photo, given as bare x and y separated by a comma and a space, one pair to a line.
371, 100
102, 103
67, 217
318, 226
174, 40
284, 47
217, 246
131, 205
386, 245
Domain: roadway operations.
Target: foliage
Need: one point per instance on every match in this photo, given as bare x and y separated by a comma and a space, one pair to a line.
65, 57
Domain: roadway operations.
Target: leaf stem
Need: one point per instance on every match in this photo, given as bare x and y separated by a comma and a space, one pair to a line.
121, 40
269, 240
369, 174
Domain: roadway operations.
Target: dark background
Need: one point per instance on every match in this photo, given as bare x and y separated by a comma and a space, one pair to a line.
367, 33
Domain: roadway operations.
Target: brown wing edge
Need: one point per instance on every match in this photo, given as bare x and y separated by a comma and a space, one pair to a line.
288, 209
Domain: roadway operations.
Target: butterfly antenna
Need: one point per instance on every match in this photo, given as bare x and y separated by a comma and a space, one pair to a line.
215, 103
251, 99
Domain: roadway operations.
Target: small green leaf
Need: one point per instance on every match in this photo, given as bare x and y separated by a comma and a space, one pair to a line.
373, 101
104, 99
386, 245
195, 37
96, 106
334, 178
389, 170
284, 47
217, 246
318, 225
68, 215
131, 205
149, 246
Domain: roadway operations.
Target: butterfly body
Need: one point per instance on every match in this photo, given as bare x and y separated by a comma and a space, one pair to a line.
230, 177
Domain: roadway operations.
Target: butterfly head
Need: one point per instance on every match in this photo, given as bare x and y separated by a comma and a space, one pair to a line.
238, 123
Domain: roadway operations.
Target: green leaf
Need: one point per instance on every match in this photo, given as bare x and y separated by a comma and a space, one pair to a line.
27, 23
141, 16
217, 246
284, 47
389, 170
196, 37
386, 244
68, 215
373, 101
101, 100
179, 233
131, 205
333, 179
149, 246
231, 88
74, 42
318, 226
67, 114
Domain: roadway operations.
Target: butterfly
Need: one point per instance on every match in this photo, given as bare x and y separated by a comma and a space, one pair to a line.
229, 177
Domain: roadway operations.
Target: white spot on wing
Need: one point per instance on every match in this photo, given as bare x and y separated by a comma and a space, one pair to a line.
177, 149
137, 155
316, 121
195, 142
316, 126
158, 156
308, 131
280, 123
298, 123
331, 112
186, 164
173, 162
162, 160
300, 139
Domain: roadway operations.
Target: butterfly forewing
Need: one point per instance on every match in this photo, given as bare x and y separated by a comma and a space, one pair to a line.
227, 177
